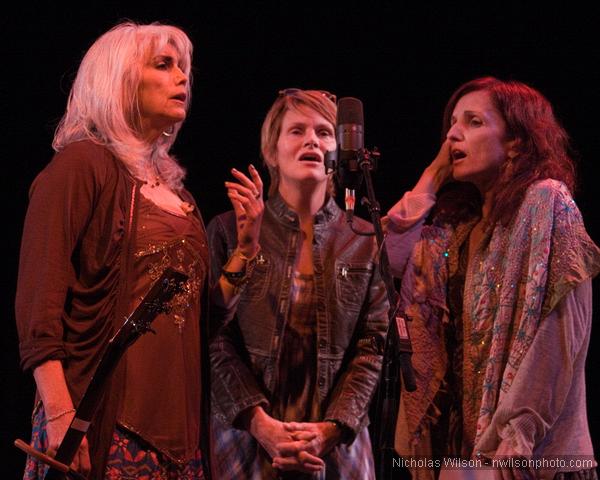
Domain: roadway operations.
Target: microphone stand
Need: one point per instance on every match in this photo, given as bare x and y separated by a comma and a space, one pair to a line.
397, 351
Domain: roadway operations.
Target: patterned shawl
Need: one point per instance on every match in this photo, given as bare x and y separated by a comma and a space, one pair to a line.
515, 278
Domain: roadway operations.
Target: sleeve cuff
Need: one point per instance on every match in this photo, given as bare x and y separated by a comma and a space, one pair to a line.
411, 208
347, 435
517, 441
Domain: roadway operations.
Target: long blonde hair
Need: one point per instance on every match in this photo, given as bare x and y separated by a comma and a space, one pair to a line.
103, 104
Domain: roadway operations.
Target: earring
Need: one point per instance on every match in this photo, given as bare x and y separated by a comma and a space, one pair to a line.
168, 133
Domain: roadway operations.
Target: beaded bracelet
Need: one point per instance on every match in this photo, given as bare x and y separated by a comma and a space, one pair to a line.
241, 278
237, 282
51, 418
244, 257
234, 277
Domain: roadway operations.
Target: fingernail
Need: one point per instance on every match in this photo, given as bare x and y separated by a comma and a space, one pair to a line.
234, 170
252, 167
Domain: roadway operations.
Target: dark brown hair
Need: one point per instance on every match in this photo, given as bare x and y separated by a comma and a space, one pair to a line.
542, 144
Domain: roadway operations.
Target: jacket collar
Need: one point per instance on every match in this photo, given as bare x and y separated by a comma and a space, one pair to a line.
327, 213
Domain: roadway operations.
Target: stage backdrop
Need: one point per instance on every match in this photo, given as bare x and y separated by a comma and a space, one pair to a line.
401, 60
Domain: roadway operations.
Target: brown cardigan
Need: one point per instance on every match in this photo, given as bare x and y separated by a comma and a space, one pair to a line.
74, 271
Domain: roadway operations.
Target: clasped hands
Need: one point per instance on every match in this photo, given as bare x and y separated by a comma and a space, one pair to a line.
298, 446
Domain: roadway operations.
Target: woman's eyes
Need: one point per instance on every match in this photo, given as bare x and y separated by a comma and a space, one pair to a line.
471, 121
321, 132
164, 63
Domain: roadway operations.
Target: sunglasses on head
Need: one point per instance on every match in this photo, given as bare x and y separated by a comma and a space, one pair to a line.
290, 92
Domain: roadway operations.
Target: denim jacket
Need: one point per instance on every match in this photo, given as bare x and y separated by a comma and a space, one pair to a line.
351, 315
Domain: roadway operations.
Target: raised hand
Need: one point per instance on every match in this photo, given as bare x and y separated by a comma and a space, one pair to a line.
246, 199
438, 172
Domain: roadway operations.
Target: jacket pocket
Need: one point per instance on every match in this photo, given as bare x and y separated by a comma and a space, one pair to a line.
258, 284
352, 282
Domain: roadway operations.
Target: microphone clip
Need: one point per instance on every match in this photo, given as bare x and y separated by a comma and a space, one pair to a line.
348, 166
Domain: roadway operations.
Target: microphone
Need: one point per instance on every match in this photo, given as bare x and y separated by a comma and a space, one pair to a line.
350, 140
344, 161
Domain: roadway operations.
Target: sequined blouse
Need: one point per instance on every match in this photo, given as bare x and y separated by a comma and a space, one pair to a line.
161, 402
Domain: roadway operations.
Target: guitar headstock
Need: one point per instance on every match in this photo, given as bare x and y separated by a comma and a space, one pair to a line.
157, 300
171, 283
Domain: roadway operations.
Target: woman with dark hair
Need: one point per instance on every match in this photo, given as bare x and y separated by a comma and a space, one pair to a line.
294, 373
106, 217
496, 274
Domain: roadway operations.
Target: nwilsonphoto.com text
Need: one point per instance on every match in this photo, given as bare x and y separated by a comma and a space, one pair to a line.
560, 463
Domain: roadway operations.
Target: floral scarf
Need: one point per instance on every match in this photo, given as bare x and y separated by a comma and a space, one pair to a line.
518, 274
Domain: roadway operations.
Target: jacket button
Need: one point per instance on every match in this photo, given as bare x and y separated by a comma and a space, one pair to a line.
321, 381
322, 343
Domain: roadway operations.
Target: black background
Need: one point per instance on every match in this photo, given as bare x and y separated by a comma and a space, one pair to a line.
402, 60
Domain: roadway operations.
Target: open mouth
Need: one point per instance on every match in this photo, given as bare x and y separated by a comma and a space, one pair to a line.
310, 157
457, 155
181, 97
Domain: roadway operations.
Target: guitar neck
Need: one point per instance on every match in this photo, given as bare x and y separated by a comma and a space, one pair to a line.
155, 302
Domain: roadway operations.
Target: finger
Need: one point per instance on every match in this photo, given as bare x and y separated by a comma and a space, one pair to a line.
85, 464
309, 459
293, 463
249, 192
444, 152
385, 221
75, 463
244, 180
304, 435
238, 208
310, 469
244, 202
250, 201
256, 178
247, 206
292, 426
286, 463
290, 448
447, 149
